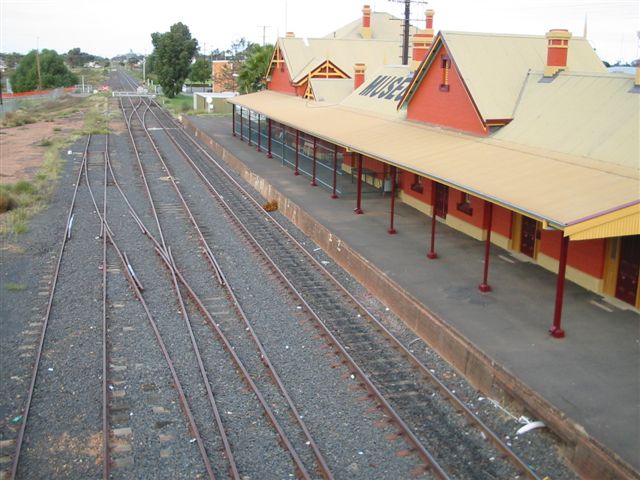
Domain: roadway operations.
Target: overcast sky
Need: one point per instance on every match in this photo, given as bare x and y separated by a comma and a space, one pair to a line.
108, 28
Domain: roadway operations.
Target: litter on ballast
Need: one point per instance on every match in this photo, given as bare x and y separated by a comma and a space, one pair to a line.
530, 426
316, 249
50, 369
16, 419
324, 262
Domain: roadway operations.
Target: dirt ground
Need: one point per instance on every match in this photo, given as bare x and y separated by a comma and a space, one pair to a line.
21, 152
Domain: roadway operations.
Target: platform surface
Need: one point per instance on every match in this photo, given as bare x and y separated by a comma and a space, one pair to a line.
592, 375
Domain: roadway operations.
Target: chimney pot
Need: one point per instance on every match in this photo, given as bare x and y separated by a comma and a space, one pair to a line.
290, 35
557, 51
366, 22
358, 77
429, 14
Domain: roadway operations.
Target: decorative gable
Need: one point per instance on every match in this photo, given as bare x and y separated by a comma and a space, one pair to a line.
325, 70
439, 96
278, 77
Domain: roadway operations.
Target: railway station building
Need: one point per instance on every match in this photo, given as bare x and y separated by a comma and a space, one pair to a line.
521, 141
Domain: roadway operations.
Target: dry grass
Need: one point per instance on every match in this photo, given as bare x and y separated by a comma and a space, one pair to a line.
22, 200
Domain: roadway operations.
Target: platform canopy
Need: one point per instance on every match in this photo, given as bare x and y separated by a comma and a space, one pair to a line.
558, 189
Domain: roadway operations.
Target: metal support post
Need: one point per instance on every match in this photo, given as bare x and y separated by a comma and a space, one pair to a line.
249, 136
335, 171
556, 330
358, 209
233, 122
313, 170
391, 229
484, 287
269, 138
432, 250
258, 148
295, 170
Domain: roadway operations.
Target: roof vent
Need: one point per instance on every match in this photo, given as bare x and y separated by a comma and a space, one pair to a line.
557, 51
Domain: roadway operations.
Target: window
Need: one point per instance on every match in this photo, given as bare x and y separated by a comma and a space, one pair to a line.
445, 65
465, 204
416, 186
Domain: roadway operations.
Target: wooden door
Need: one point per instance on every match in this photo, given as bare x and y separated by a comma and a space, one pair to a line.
528, 240
627, 282
442, 200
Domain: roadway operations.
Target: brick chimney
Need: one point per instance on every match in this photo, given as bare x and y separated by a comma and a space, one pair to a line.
557, 51
366, 22
290, 35
422, 42
358, 77
429, 15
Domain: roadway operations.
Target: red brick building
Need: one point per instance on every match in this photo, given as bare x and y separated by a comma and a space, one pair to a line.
525, 142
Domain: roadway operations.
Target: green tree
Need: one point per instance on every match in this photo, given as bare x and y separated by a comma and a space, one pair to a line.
201, 71
253, 71
77, 58
173, 52
53, 72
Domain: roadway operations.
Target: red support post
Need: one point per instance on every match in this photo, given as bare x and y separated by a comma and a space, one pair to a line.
249, 136
258, 147
313, 174
391, 229
358, 209
556, 330
233, 122
295, 170
335, 171
484, 287
432, 250
269, 138
241, 129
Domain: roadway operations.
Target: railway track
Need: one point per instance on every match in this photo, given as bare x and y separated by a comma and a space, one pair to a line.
403, 385
179, 333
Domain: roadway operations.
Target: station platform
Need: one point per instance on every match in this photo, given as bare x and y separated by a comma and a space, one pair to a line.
592, 375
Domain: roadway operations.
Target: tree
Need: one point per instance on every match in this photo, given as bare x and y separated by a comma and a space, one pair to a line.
53, 72
77, 58
173, 52
201, 71
253, 71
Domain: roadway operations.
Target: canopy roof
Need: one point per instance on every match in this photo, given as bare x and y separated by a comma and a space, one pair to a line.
556, 188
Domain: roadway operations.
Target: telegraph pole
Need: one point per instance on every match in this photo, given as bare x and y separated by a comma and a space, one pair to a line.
406, 27
264, 29
38, 63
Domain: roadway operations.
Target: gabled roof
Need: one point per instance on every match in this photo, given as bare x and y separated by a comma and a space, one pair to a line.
587, 115
303, 55
384, 26
495, 66
372, 95
331, 90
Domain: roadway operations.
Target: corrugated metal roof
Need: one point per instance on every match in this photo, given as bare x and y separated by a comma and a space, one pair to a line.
589, 115
366, 98
303, 55
625, 221
549, 186
495, 66
384, 26
331, 90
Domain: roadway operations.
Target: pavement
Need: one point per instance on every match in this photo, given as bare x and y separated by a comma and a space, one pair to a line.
592, 375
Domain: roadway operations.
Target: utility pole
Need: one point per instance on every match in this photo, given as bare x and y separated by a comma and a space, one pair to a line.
264, 29
38, 63
406, 27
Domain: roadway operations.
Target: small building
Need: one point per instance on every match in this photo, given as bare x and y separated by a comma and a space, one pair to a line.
212, 102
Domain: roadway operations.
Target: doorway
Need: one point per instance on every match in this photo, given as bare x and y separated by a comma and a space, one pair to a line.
528, 239
628, 270
442, 200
